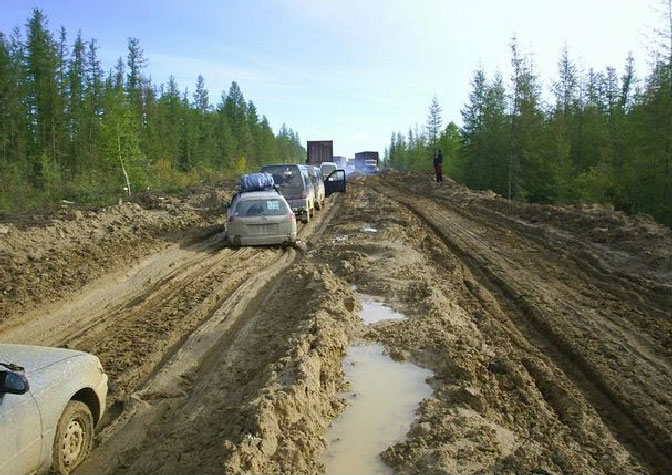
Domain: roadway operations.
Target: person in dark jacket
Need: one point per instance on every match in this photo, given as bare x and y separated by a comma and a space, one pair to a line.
438, 162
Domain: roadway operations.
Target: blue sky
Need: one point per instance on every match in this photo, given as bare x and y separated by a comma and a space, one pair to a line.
351, 70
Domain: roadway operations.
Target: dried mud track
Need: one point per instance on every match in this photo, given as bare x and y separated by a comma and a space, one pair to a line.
134, 320
615, 351
172, 351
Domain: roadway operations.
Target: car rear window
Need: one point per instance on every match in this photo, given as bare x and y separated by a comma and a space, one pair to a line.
265, 207
285, 177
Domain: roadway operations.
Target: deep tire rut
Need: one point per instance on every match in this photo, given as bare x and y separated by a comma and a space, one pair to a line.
648, 439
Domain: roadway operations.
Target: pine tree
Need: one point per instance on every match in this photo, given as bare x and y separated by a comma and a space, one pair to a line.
434, 122
136, 62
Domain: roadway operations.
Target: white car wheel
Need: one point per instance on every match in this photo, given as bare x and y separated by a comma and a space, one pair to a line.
74, 435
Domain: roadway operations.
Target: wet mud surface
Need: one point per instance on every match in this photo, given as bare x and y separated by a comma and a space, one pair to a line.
548, 339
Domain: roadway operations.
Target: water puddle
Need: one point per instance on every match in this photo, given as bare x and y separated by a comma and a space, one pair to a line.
369, 229
383, 401
374, 311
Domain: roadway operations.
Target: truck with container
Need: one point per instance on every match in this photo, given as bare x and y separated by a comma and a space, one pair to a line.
367, 162
319, 151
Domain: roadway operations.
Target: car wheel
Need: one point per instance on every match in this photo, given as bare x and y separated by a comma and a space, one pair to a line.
318, 205
306, 217
74, 435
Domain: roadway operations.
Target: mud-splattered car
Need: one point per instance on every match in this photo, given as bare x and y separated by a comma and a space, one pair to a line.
260, 218
50, 401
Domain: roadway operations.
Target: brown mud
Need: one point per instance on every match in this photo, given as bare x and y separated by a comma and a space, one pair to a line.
548, 331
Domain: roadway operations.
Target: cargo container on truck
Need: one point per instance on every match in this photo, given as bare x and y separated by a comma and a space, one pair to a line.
319, 151
366, 162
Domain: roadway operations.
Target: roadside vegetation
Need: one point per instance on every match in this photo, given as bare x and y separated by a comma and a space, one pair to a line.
605, 137
70, 130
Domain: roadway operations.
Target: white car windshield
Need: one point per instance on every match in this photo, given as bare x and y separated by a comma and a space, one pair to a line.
262, 207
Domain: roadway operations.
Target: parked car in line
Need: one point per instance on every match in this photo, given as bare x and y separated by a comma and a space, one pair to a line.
295, 185
50, 402
327, 168
259, 218
334, 178
318, 182
334, 182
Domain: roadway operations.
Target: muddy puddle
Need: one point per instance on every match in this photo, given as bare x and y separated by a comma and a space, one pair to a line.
374, 311
383, 399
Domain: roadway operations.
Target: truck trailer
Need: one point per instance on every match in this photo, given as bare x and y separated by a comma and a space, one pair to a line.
366, 162
319, 151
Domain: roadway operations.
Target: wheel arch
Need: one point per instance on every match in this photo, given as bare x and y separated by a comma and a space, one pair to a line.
89, 397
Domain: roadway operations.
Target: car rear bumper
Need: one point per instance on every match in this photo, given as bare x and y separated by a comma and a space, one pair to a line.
264, 240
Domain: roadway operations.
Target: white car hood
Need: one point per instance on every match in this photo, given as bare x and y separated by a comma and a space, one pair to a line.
34, 358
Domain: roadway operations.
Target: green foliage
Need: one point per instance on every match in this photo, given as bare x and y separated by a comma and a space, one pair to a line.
602, 140
68, 131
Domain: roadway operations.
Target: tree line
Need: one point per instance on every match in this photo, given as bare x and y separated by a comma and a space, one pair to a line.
70, 130
606, 137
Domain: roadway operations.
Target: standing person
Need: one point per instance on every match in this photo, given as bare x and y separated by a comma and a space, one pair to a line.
438, 162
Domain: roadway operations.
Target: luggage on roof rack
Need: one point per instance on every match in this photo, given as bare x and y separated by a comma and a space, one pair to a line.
256, 182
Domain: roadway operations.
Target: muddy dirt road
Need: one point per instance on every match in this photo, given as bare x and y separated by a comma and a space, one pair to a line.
548, 330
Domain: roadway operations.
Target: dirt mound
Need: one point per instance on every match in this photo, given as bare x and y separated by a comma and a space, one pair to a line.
45, 257
284, 424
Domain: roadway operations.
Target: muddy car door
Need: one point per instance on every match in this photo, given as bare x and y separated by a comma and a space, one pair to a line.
334, 182
20, 427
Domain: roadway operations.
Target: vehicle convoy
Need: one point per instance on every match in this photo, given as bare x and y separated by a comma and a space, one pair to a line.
50, 401
295, 185
318, 182
367, 162
318, 151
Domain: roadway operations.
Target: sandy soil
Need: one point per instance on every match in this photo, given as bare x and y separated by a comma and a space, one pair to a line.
548, 330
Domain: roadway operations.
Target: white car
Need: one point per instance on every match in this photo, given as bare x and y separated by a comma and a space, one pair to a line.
259, 218
327, 168
50, 401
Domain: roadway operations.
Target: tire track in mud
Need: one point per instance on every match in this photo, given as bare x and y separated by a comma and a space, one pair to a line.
644, 431
229, 312
654, 295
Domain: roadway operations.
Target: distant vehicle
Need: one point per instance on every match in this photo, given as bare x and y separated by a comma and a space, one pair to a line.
334, 178
334, 182
50, 402
327, 168
295, 185
260, 218
350, 165
318, 182
340, 162
367, 162
319, 151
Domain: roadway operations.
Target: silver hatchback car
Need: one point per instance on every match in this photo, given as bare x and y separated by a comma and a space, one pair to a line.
50, 401
258, 218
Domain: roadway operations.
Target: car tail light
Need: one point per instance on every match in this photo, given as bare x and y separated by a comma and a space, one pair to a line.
291, 216
303, 195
